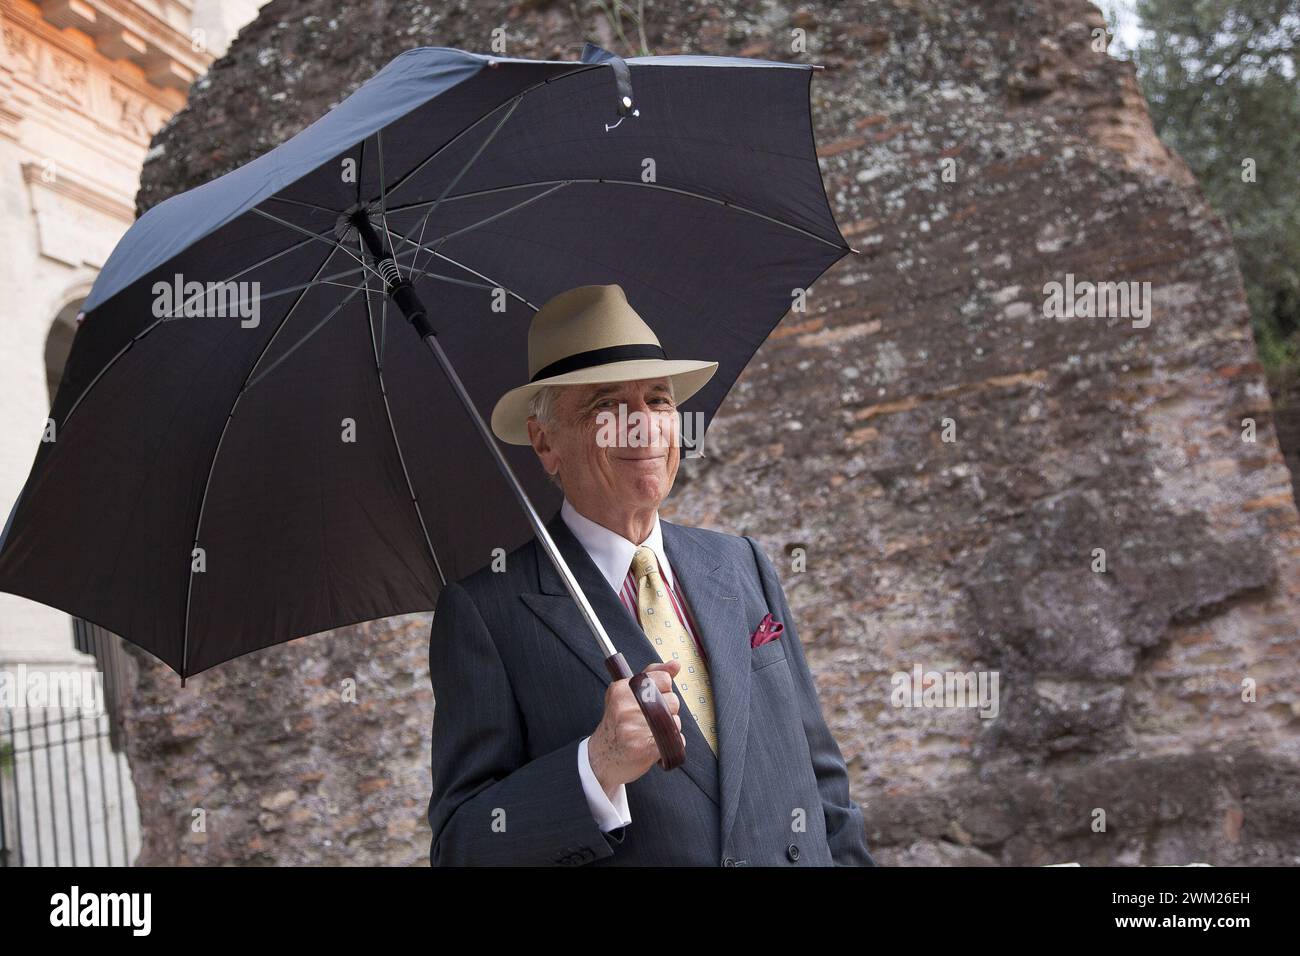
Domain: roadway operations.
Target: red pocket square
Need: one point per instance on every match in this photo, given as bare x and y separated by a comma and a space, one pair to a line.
769, 629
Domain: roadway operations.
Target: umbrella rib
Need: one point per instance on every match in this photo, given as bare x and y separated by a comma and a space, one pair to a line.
474, 194
392, 426
383, 193
634, 182
328, 280
383, 318
463, 170
333, 243
423, 274
582, 68
216, 452
341, 285
149, 328
305, 205
361, 165
402, 180
267, 296
303, 341
435, 244
492, 284
495, 284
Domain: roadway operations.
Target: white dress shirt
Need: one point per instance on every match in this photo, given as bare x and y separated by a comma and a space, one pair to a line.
612, 555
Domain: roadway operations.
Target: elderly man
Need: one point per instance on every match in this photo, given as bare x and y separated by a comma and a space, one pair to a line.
538, 758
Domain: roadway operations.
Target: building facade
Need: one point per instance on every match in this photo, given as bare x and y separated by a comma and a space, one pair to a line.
84, 86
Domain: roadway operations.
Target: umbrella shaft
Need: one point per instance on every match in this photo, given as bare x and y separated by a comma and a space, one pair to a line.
405, 297
401, 290
544, 536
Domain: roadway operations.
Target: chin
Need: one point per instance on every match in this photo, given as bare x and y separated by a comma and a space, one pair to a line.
650, 489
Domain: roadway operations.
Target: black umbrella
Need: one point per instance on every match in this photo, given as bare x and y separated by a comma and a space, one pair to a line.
248, 446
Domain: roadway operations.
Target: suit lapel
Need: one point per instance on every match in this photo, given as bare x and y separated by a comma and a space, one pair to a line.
712, 598
555, 606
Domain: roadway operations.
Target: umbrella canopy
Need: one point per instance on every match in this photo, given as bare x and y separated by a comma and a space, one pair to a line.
250, 444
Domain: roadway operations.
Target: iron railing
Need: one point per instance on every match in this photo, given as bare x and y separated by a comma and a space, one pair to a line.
65, 791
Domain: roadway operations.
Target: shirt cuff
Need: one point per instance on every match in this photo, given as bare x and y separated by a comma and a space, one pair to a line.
609, 815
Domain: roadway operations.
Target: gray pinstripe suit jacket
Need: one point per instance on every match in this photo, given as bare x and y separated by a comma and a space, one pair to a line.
519, 680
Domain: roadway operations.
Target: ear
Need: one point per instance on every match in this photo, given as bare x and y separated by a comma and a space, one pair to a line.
541, 443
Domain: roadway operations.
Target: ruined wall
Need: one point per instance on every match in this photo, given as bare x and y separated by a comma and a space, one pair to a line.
1118, 690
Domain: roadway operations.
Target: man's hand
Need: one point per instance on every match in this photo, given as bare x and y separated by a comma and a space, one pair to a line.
622, 748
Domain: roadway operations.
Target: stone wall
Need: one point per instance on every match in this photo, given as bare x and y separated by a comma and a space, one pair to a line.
948, 460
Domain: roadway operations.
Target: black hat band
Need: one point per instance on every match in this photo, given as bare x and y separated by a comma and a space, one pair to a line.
612, 353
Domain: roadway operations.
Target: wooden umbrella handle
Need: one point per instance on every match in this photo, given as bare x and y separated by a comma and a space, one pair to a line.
672, 753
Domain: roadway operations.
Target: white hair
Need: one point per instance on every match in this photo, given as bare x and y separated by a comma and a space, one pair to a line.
542, 407
542, 404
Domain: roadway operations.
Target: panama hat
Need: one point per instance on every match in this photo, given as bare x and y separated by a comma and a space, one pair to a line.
585, 335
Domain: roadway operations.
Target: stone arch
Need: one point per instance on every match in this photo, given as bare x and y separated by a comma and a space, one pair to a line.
58, 341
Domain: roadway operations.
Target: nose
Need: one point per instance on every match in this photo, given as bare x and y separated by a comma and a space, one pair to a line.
657, 432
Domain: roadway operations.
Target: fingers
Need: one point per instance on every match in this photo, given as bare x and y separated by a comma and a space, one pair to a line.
672, 666
673, 702
663, 678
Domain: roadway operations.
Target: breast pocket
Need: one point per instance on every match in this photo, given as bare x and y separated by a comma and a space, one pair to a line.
769, 653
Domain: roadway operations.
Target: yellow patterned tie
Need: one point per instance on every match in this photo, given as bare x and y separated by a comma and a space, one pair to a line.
672, 641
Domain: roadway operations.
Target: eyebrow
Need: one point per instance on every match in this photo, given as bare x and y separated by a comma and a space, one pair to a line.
605, 390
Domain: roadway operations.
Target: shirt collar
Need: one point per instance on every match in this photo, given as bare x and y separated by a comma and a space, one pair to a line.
609, 550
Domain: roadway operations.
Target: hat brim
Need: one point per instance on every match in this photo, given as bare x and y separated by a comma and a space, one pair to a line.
510, 416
